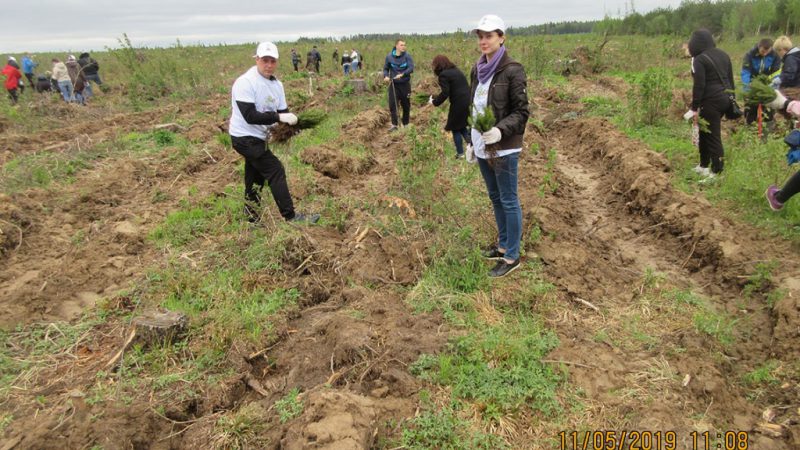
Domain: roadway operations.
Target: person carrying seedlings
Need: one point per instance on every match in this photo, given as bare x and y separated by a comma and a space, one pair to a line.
28, 66
712, 76
258, 102
295, 59
61, 75
760, 60
397, 70
776, 197
90, 69
789, 77
454, 86
13, 77
498, 89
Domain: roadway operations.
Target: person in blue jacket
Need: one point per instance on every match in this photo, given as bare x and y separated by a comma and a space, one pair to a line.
397, 70
760, 60
28, 66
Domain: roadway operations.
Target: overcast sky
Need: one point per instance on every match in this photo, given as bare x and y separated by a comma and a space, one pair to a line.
76, 25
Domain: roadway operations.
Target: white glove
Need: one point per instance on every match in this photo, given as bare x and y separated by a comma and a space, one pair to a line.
288, 118
776, 83
492, 136
470, 154
430, 100
689, 115
779, 101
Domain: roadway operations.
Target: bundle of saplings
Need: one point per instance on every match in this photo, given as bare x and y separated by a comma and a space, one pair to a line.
421, 99
306, 119
482, 122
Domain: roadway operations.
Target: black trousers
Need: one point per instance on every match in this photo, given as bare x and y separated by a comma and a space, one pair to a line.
711, 151
789, 189
751, 114
260, 166
12, 94
29, 76
400, 92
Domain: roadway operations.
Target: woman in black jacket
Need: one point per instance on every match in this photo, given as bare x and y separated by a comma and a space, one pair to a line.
713, 78
499, 82
454, 86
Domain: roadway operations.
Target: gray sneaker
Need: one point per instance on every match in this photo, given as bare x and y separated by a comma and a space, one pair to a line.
305, 218
503, 268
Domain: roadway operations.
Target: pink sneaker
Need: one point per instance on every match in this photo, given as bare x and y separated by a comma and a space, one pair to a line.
773, 202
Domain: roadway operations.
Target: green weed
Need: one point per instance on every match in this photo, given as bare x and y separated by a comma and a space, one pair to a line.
444, 429
289, 406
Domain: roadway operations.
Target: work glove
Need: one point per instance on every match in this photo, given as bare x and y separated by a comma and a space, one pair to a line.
398, 76
470, 154
430, 100
779, 102
492, 136
288, 118
689, 115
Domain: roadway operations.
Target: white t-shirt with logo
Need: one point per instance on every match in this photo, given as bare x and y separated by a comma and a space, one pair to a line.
479, 103
266, 94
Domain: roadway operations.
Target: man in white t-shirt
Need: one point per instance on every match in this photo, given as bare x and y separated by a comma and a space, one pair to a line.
257, 103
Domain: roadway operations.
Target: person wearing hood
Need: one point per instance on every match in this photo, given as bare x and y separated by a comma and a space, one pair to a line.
453, 86
90, 69
789, 77
397, 70
13, 63
77, 78
712, 75
499, 82
13, 77
28, 66
61, 75
760, 60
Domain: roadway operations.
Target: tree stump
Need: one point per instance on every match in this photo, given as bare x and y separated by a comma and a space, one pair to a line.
157, 327
359, 85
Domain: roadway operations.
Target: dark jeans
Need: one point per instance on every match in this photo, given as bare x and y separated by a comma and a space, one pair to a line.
294, 63
789, 189
29, 76
751, 114
459, 136
711, 151
500, 176
261, 165
12, 93
400, 92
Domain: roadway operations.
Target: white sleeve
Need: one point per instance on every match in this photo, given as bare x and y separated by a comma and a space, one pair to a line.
243, 92
282, 106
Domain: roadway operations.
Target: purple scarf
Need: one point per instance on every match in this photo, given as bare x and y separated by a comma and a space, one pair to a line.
487, 69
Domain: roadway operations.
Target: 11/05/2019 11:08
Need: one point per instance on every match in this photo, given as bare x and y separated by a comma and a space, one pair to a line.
652, 440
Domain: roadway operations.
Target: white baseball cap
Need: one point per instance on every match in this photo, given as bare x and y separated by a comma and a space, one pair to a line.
11, 58
267, 49
490, 22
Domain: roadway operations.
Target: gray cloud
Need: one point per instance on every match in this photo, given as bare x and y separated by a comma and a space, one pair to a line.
92, 25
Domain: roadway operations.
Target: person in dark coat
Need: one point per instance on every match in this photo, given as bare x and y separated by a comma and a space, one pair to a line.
760, 60
789, 79
712, 74
454, 86
397, 69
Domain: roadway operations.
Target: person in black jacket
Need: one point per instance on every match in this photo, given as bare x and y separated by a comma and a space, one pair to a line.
397, 69
712, 73
498, 82
790, 73
454, 86
90, 69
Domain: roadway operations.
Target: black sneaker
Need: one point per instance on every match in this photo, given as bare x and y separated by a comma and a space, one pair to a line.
459, 156
305, 218
493, 253
503, 268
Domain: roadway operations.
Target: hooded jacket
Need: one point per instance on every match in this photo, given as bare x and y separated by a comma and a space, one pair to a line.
28, 65
88, 64
76, 75
753, 64
398, 64
508, 96
790, 74
454, 86
711, 69
13, 76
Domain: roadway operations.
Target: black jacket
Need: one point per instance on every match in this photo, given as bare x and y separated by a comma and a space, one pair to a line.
708, 65
508, 95
790, 74
89, 65
454, 86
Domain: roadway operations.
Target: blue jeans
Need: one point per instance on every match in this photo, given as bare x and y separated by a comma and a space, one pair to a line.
66, 90
459, 136
354, 67
87, 91
500, 176
346, 69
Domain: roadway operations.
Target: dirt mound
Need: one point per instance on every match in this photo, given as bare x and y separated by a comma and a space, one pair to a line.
333, 419
364, 125
332, 163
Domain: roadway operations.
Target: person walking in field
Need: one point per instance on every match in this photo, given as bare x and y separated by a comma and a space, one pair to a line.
91, 72
346, 62
317, 57
453, 86
295, 59
712, 76
354, 60
336, 56
498, 83
61, 75
258, 102
777, 197
760, 60
397, 70
28, 66
13, 77
78, 79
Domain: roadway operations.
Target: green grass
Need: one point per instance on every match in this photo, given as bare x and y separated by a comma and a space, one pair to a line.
445, 429
290, 406
763, 375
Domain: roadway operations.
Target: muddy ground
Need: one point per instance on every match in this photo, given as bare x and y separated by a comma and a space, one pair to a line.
609, 213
